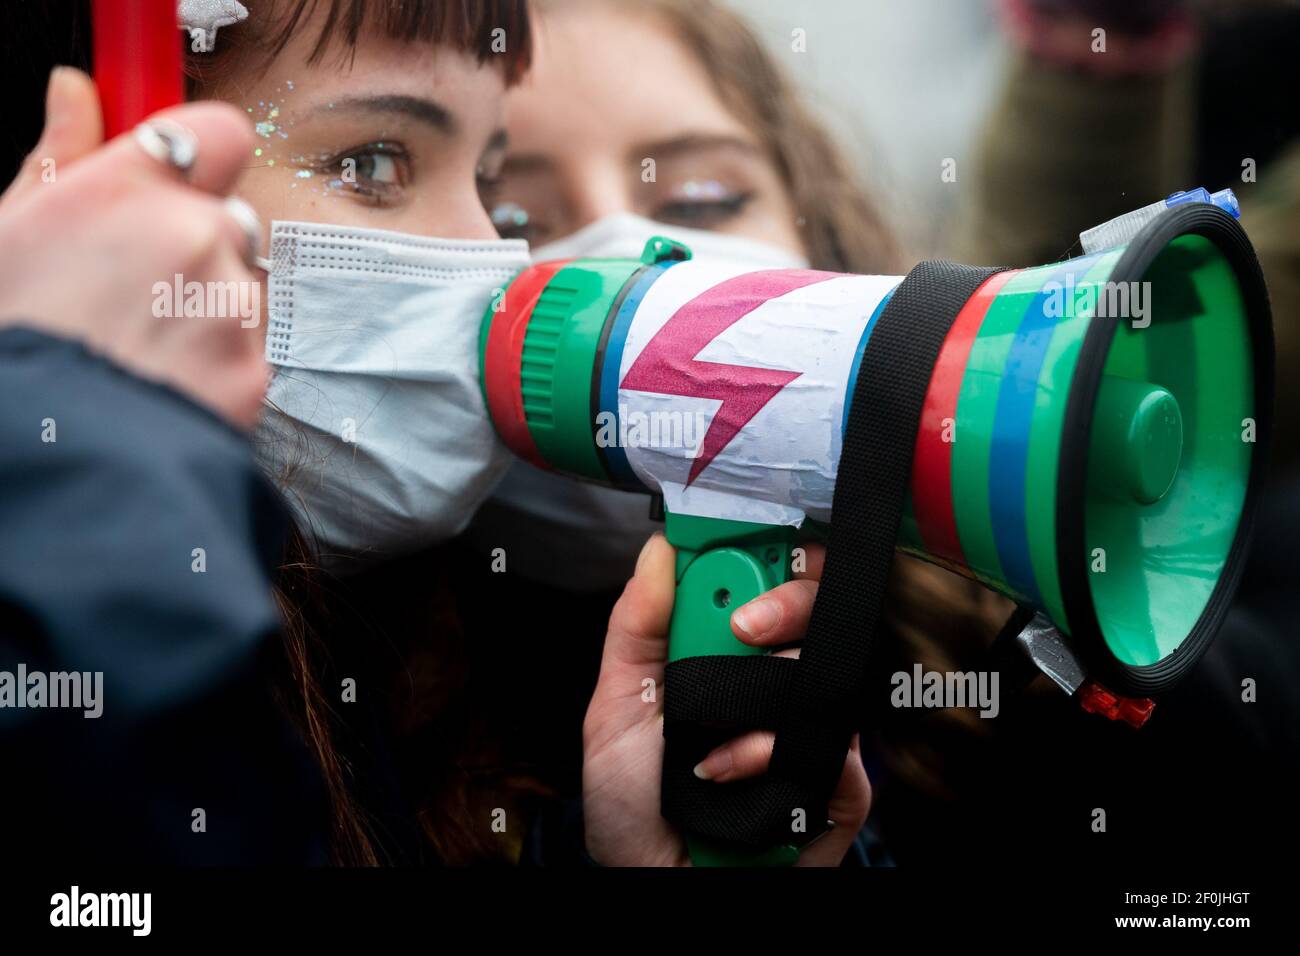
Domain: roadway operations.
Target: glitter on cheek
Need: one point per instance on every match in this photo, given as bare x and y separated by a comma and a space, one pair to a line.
333, 187
303, 174
271, 123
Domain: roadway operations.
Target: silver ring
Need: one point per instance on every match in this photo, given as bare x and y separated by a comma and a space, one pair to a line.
247, 220
168, 142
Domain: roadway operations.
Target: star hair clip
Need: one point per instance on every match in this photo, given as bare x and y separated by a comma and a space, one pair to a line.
203, 18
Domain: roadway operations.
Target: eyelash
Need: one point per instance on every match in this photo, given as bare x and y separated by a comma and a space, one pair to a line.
714, 209
372, 191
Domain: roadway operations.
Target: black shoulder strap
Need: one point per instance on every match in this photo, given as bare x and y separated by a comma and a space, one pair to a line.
814, 706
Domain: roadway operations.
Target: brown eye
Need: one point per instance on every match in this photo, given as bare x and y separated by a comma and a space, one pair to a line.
377, 172
378, 168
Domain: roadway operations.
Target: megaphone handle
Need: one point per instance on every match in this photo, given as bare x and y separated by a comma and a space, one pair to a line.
722, 564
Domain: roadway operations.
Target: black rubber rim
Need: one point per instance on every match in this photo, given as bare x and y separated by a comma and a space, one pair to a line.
1223, 230
601, 346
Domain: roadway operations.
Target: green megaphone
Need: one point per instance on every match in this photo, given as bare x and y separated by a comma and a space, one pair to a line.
1091, 441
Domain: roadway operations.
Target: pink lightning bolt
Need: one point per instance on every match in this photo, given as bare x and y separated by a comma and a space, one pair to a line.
667, 365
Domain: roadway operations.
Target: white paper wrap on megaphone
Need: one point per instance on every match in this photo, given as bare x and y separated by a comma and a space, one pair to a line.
733, 386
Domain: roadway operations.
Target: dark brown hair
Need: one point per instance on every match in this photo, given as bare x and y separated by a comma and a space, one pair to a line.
469, 26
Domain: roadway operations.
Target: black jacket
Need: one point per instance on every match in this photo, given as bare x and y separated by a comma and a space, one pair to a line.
109, 486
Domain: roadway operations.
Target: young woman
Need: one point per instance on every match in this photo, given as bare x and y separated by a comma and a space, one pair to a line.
644, 117
374, 125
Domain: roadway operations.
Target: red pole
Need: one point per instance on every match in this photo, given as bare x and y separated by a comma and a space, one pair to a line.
137, 50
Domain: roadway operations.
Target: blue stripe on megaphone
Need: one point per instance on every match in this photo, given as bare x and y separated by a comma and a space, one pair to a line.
857, 356
620, 469
1009, 448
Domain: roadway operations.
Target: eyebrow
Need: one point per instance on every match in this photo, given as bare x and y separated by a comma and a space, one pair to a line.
695, 143
660, 149
425, 111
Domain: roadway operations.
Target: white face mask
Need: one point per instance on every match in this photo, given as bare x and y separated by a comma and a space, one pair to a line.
566, 533
376, 427
624, 235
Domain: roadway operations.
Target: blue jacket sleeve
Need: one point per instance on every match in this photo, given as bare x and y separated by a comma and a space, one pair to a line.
137, 626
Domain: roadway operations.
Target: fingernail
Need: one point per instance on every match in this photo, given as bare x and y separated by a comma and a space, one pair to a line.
645, 549
714, 765
56, 96
757, 617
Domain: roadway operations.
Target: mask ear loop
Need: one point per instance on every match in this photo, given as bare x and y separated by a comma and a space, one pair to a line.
263, 263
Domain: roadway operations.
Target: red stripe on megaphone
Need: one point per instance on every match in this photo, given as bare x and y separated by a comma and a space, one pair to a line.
932, 459
503, 357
